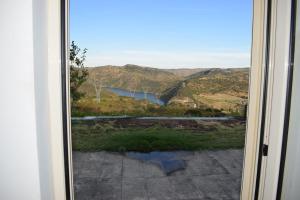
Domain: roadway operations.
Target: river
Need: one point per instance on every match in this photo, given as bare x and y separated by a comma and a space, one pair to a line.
137, 95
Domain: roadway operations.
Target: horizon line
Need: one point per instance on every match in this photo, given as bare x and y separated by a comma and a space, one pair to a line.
144, 66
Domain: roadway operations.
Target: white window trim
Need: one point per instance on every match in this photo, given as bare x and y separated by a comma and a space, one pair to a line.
55, 107
255, 100
254, 108
276, 102
50, 16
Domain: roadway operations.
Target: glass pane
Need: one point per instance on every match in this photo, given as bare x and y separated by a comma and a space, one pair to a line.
291, 180
159, 102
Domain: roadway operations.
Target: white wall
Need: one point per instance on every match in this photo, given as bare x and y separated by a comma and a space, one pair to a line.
31, 154
19, 169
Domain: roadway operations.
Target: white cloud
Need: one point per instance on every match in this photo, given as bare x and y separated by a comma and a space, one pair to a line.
171, 59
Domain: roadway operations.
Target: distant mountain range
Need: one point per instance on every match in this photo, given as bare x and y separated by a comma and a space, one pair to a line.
132, 78
184, 72
224, 89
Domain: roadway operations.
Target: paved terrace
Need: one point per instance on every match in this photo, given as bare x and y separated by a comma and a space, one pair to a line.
110, 176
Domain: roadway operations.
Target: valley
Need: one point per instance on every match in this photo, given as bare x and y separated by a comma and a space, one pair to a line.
145, 91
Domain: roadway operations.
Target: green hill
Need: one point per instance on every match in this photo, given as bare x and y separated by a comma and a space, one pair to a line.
130, 77
184, 90
225, 89
185, 72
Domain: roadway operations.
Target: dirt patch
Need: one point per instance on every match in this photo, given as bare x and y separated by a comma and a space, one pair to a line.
202, 125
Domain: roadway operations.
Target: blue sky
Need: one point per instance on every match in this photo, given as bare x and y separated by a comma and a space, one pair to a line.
163, 33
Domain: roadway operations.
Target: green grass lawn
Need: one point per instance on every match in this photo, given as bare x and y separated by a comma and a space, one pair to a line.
97, 137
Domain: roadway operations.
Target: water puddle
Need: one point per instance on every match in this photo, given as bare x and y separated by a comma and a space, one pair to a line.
168, 162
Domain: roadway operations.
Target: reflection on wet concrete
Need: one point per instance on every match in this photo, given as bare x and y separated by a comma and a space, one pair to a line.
168, 162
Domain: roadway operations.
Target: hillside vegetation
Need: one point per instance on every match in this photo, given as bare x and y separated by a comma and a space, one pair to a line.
224, 89
185, 72
130, 77
197, 92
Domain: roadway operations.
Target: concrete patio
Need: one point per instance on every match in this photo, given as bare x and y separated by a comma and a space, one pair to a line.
109, 176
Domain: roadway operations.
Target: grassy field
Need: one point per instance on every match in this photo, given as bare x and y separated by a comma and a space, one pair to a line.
208, 93
109, 136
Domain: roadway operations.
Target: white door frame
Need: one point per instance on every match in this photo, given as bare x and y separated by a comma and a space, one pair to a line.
61, 151
278, 77
255, 97
270, 59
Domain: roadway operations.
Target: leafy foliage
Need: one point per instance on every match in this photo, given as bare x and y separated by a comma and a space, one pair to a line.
78, 72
